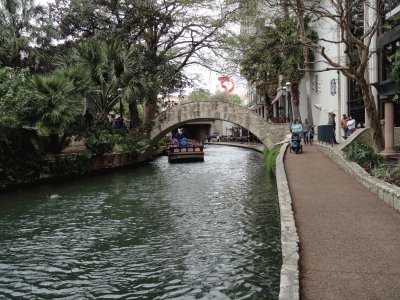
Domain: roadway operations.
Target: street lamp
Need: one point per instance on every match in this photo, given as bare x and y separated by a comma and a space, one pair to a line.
283, 107
288, 86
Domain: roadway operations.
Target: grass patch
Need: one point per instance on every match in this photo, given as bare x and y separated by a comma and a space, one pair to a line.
270, 158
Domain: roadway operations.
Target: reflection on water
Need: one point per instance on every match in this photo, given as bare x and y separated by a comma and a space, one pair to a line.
163, 231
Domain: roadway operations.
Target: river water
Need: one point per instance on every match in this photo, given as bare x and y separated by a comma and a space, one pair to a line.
162, 231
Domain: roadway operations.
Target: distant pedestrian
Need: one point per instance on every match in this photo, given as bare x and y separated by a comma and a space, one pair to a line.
343, 125
306, 131
311, 135
88, 118
351, 125
333, 123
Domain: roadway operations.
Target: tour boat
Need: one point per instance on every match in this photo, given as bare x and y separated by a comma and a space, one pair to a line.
182, 149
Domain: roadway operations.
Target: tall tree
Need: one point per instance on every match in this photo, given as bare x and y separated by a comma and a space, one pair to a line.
23, 32
356, 33
273, 52
173, 34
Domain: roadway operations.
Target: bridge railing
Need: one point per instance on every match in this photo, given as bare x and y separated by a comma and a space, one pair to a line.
325, 134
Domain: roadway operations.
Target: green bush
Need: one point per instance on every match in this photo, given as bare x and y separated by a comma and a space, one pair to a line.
164, 141
395, 73
363, 154
99, 141
270, 156
388, 172
19, 160
77, 165
129, 146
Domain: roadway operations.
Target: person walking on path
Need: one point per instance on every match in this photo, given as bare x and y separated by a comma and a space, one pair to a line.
349, 239
306, 130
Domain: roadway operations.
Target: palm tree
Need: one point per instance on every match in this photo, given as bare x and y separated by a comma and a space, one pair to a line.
59, 106
20, 31
103, 64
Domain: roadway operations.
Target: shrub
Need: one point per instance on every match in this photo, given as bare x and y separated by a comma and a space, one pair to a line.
129, 146
363, 154
99, 141
164, 141
389, 173
71, 165
19, 160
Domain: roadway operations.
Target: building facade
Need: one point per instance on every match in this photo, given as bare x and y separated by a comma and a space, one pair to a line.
329, 90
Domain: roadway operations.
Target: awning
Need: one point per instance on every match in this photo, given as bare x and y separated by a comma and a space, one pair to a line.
277, 97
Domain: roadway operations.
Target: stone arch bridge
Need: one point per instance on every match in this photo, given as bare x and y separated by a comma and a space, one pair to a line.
170, 119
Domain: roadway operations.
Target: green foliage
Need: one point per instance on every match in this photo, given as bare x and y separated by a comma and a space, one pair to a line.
58, 103
395, 73
232, 98
130, 147
23, 33
273, 51
397, 148
18, 106
77, 164
101, 64
205, 95
164, 141
270, 156
363, 154
99, 140
19, 161
388, 172
199, 95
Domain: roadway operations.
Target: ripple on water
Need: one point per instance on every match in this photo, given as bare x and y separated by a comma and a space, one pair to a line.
183, 231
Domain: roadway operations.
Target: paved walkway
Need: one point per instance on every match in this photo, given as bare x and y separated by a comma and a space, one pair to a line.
349, 238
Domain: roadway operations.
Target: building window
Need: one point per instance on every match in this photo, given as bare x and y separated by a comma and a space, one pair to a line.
356, 102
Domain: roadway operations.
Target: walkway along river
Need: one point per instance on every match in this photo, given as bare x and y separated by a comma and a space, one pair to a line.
160, 231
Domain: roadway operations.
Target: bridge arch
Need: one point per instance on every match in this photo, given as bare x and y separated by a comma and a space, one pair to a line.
268, 133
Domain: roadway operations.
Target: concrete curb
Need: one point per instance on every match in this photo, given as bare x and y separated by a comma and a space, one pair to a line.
289, 283
387, 192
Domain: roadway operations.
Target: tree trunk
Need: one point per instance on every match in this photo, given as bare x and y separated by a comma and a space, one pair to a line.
150, 108
54, 146
372, 114
300, 10
134, 114
295, 102
308, 94
149, 112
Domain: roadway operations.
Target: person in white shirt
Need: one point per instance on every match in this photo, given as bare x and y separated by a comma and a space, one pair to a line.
351, 125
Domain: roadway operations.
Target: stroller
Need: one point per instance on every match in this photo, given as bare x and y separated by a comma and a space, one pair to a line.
295, 143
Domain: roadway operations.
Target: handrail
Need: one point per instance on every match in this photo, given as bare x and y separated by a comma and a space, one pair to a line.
325, 134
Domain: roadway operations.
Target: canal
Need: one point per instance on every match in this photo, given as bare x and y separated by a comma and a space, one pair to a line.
162, 231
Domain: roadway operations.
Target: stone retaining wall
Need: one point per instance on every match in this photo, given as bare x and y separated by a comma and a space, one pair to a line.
386, 191
289, 283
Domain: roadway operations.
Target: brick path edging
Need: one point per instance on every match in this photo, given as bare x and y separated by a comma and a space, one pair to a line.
289, 278
387, 192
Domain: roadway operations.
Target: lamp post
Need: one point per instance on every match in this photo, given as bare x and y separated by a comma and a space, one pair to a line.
285, 93
288, 86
